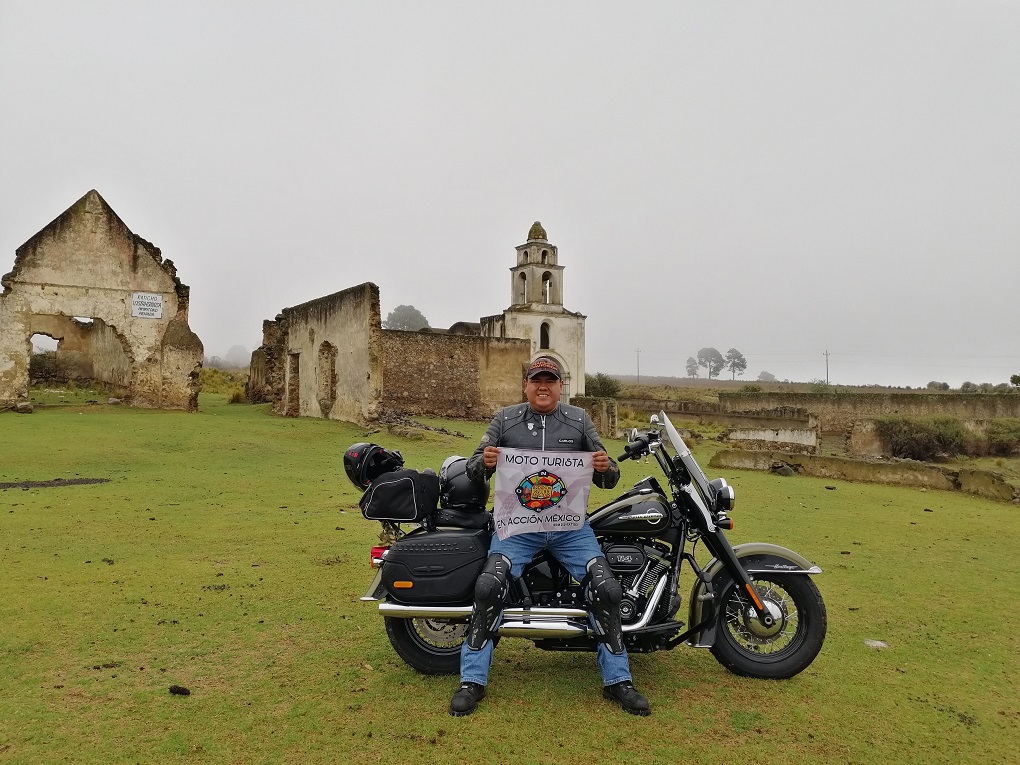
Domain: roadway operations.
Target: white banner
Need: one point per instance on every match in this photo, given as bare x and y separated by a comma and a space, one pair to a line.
146, 305
541, 491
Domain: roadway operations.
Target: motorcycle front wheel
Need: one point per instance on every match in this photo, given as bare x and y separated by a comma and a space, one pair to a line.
431, 646
745, 646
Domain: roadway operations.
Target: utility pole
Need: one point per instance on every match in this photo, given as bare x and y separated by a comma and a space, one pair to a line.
826, 354
638, 352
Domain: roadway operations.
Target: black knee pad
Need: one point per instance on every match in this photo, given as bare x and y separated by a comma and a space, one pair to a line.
490, 590
604, 596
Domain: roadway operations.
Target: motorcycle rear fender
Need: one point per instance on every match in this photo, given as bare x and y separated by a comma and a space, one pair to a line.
376, 590
756, 558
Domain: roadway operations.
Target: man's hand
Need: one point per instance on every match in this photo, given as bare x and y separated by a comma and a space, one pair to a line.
599, 461
490, 455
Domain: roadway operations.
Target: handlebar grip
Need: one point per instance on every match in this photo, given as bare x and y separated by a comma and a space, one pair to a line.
633, 449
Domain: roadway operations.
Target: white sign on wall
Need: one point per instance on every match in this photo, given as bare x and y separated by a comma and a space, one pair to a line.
146, 305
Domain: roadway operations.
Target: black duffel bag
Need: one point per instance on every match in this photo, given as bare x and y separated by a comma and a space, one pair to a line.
402, 496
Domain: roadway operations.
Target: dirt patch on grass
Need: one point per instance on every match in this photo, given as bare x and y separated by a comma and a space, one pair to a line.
51, 484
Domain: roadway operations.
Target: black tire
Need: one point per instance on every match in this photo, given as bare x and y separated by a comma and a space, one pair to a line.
431, 646
750, 650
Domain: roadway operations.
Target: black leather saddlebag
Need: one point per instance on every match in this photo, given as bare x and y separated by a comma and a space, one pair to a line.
404, 496
436, 567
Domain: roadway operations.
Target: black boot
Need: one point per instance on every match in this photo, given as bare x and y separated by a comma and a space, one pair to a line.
467, 697
626, 695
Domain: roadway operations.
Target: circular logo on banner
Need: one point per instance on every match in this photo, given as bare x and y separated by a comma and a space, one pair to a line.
541, 491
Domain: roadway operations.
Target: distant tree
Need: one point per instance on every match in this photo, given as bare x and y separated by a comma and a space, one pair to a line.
986, 387
736, 363
692, 367
936, 385
968, 387
601, 386
238, 356
405, 317
712, 360
767, 377
1015, 381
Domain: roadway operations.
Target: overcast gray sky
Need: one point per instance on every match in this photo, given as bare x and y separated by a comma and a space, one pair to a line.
784, 178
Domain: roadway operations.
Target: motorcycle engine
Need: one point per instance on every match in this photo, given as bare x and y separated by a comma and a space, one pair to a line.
639, 568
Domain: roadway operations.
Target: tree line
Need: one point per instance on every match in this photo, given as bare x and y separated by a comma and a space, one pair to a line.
714, 363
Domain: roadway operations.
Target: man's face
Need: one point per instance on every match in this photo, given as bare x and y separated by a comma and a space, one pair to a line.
543, 392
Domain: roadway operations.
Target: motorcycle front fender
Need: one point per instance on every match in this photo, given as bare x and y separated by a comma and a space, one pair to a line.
756, 558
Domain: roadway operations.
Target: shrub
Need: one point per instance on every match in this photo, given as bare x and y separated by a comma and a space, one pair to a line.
922, 438
601, 386
222, 381
47, 366
1003, 437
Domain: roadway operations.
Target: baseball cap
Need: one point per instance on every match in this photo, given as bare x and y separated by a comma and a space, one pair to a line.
544, 365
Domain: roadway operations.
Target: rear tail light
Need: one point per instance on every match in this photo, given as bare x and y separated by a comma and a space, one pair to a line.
378, 553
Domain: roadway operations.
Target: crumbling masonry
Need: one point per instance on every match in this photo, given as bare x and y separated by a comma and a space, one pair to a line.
115, 306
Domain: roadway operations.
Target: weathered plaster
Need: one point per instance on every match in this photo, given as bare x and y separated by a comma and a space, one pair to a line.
88, 263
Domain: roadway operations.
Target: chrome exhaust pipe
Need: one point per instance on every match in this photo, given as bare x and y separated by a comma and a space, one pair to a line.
542, 628
424, 611
523, 615
525, 622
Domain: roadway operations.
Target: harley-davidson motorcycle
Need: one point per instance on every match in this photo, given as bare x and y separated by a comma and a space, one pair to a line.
754, 606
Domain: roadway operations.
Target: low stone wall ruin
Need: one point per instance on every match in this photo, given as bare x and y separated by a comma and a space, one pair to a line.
983, 483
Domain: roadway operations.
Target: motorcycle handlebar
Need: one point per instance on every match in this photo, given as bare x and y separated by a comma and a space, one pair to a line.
633, 450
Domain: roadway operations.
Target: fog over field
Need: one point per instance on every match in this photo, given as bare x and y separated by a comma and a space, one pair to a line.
786, 178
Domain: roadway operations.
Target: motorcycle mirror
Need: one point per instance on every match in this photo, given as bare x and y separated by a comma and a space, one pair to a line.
633, 435
654, 419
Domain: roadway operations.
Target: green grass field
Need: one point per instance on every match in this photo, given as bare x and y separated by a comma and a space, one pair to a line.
226, 554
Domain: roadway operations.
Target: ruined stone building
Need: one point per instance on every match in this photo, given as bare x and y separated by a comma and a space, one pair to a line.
115, 306
330, 357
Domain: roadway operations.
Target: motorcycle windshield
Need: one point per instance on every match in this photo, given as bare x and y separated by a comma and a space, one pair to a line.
673, 435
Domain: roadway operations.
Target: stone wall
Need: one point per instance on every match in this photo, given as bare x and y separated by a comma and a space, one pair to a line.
837, 412
797, 440
87, 263
899, 472
707, 412
603, 413
322, 358
446, 375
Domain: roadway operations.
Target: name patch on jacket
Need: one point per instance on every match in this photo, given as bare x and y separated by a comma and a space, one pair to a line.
541, 491
566, 441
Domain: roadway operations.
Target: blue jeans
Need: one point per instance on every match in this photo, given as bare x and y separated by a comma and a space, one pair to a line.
573, 549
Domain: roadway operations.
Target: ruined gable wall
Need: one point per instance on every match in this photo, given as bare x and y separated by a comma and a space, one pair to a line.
451, 375
87, 263
345, 386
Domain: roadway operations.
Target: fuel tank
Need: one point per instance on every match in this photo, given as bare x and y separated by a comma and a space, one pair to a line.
642, 510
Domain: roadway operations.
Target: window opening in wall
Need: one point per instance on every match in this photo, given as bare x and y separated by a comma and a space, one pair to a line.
545, 256
544, 336
547, 288
522, 288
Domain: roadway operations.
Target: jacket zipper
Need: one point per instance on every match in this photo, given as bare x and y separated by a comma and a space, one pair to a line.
543, 432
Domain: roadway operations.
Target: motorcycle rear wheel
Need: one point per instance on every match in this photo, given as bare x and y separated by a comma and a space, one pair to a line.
431, 646
746, 647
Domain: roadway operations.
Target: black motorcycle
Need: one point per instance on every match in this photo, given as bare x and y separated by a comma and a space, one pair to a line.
754, 606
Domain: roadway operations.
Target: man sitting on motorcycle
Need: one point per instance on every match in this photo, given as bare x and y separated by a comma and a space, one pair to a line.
543, 424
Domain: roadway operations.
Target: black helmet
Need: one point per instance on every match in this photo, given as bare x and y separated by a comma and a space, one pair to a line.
365, 462
457, 490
